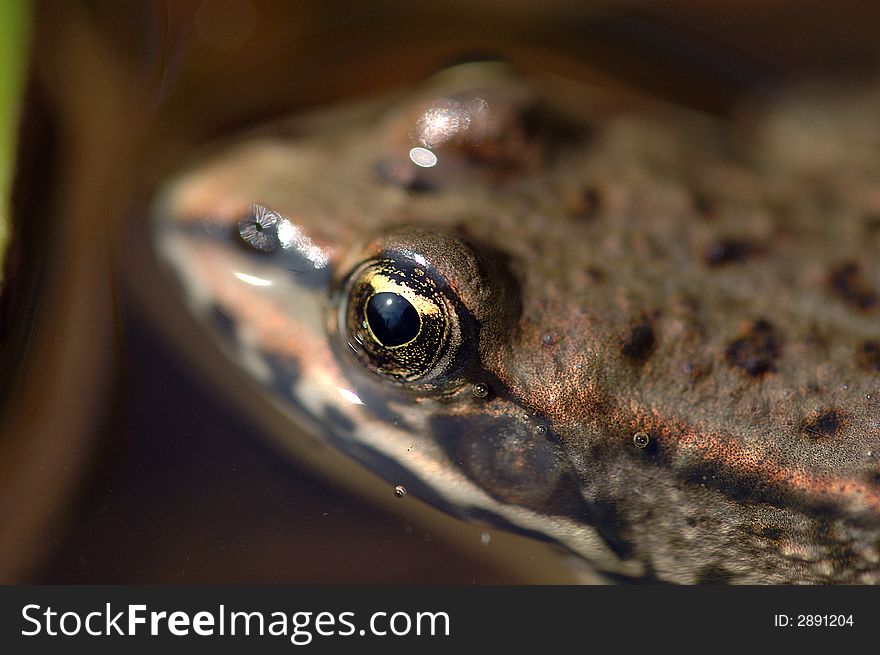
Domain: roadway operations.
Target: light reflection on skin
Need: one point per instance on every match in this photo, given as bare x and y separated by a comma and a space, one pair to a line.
422, 157
350, 396
253, 279
441, 122
450, 120
291, 236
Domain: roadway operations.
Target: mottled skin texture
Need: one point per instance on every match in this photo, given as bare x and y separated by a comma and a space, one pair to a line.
714, 286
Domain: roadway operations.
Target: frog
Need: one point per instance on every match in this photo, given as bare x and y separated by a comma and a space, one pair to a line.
643, 333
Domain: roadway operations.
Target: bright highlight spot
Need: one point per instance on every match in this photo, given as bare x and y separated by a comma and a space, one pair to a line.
253, 280
350, 396
291, 236
423, 157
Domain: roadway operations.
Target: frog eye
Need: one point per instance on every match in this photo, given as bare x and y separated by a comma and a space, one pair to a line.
423, 307
401, 321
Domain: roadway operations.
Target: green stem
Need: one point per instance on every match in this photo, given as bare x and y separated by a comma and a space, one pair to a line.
14, 35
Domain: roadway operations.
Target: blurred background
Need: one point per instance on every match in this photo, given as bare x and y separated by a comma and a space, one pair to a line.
124, 461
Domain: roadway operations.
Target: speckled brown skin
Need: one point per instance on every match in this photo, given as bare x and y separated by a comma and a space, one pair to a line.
713, 286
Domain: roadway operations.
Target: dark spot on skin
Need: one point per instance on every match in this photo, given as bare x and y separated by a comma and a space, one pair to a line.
402, 174
285, 373
586, 204
773, 534
714, 574
419, 185
869, 356
595, 275
687, 305
729, 251
823, 424
556, 131
705, 206
638, 343
338, 419
756, 351
222, 322
691, 522
847, 283
696, 371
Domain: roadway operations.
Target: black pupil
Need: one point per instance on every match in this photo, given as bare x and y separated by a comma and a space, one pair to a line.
392, 319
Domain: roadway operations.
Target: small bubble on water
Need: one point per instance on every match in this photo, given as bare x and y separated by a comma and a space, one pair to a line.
541, 429
400, 491
868, 396
641, 439
485, 538
547, 339
480, 390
